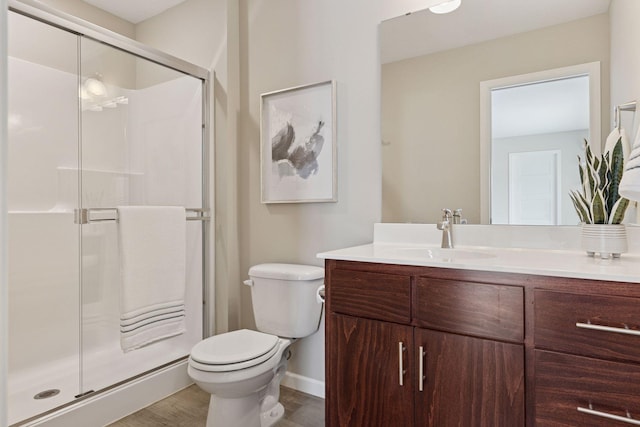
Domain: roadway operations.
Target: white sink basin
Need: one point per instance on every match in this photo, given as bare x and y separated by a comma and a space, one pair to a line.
441, 254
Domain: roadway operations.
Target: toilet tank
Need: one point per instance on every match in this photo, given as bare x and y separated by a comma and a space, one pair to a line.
284, 298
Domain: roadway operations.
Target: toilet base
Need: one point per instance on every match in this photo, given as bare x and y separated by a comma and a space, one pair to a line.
270, 418
242, 412
234, 412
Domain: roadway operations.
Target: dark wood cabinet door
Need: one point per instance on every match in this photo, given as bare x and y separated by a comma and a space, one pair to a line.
469, 382
363, 373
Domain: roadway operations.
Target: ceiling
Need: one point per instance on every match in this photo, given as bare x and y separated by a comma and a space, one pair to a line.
134, 11
424, 32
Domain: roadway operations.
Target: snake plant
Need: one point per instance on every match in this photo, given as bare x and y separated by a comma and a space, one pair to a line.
598, 201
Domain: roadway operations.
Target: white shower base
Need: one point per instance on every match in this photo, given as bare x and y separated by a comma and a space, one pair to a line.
121, 401
64, 375
25, 385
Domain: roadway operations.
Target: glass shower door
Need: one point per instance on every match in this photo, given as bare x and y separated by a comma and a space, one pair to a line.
43, 185
91, 128
141, 145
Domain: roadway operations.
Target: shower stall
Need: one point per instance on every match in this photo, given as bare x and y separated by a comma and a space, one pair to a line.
96, 121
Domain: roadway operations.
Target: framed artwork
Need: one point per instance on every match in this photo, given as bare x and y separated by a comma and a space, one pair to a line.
298, 144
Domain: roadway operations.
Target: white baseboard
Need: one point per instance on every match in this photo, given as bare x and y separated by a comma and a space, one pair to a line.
121, 401
303, 384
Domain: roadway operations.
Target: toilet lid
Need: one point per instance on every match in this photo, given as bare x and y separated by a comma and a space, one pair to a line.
234, 347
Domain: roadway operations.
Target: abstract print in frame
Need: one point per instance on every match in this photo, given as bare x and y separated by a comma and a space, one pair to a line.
298, 144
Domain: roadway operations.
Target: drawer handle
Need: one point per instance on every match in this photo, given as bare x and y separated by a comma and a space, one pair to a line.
421, 376
401, 370
626, 419
608, 329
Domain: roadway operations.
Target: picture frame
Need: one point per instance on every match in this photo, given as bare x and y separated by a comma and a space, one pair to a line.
298, 144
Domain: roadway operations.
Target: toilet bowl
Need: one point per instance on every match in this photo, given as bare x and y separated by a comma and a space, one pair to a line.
242, 370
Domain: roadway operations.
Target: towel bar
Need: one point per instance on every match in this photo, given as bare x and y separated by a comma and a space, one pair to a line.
84, 215
629, 106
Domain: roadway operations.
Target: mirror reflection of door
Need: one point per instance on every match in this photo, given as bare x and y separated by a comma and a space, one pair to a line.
537, 131
534, 187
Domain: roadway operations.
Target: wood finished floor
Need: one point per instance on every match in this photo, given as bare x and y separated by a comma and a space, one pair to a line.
188, 408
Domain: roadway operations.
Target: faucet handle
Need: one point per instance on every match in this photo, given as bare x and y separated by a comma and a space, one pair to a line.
457, 216
446, 214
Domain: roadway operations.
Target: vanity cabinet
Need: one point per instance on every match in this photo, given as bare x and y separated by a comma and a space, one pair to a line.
406, 349
425, 346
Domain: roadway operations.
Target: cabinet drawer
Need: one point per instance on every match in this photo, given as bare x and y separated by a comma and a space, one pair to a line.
490, 311
572, 323
371, 295
564, 383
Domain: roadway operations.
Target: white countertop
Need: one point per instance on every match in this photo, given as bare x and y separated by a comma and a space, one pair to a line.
539, 261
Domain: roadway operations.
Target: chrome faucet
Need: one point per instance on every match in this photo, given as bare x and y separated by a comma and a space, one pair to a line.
446, 225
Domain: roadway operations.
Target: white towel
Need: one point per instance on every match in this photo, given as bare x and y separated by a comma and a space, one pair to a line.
152, 242
613, 138
630, 183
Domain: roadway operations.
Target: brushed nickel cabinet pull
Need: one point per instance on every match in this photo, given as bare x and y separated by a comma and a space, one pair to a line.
401, 370
626, 419
607, 329
421, 377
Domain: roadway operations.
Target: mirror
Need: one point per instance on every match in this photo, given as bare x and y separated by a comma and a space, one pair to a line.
432, 70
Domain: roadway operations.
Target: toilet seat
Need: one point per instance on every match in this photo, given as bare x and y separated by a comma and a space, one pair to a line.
233, 351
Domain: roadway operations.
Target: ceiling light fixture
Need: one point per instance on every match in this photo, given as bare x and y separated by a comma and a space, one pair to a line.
446, 7
94, 87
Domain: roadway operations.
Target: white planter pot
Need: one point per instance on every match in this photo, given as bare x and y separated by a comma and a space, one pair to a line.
607, 240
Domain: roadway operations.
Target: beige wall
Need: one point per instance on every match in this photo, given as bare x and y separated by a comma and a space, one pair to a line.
625, 55
625, 68
431, 114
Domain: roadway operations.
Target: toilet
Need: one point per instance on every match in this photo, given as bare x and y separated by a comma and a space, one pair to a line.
242, 370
